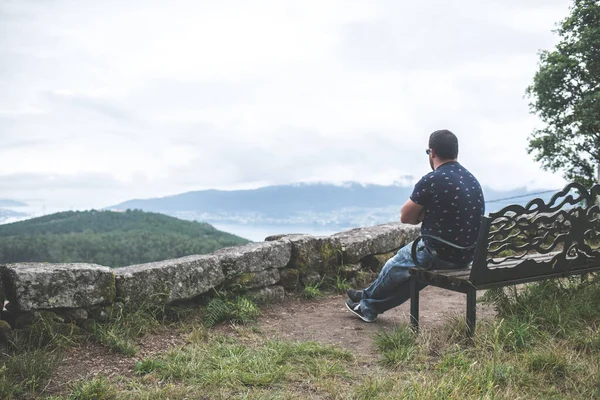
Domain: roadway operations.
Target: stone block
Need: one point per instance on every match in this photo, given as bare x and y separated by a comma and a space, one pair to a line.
376, 262
363, 279
322, 254
254, 257
349, 271
34, 286
271, 294
252, 280
77, 315
168, 281
28, 318
289, 278
361, 242
311, 278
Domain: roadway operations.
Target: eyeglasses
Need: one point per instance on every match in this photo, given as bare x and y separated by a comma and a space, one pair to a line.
427, 151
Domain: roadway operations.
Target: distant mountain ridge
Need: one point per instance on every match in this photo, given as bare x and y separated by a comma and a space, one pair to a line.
286, 198
350, 204
276, 200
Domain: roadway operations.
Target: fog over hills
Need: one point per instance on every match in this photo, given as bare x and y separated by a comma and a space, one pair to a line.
315, 208
319, 204
6, 214
11, 203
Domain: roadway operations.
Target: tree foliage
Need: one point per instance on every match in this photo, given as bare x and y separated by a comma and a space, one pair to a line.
566, 96
108, 238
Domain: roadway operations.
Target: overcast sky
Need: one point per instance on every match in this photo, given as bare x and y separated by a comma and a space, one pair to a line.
104, 101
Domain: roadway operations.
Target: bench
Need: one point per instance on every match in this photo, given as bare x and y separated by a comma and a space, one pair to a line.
522, 244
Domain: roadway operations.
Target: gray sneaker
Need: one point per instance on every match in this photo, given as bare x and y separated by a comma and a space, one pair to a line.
355, 309
354, 295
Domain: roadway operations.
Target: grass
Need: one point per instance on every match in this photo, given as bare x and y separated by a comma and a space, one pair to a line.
341, 285
397, 347
543, 344
94, 389
222, 367
223, 362
31, 356
237, 310
312, 291
124, 326
24, 372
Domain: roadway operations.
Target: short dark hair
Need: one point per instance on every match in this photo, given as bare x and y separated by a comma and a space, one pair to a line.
444, 143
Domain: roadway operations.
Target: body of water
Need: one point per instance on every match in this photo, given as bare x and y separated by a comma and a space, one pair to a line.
258, 233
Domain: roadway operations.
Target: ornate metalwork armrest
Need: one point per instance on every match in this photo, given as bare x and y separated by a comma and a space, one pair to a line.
413, 250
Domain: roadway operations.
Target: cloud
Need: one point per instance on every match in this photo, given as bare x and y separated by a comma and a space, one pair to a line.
88, 103
104, 100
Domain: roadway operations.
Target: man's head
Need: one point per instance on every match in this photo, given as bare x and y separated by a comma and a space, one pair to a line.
443, 146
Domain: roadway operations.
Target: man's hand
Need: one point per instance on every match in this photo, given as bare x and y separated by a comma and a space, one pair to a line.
411, 213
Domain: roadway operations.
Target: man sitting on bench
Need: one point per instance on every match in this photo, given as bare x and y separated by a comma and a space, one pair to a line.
449, 202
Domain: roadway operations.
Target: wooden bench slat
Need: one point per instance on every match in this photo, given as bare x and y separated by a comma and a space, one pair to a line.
454, 273
465, 273
505, 264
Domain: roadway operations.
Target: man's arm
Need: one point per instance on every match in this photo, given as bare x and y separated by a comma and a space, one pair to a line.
411, 213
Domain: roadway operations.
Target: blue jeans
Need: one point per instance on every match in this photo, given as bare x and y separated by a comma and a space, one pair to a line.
392, 286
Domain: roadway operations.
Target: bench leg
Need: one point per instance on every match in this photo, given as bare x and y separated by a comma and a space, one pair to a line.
471, 312
414, 304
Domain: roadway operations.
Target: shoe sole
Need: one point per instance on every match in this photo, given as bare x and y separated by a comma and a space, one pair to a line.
358, 315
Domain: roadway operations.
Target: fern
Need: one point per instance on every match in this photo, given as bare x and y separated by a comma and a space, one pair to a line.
239, 310
216, 311
245, 310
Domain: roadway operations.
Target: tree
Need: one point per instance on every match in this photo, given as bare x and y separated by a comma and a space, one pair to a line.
566, 96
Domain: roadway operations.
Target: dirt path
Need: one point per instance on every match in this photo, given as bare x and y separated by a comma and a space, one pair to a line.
325, 320
328, 321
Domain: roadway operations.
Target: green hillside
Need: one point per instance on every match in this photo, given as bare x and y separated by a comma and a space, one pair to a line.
108, 238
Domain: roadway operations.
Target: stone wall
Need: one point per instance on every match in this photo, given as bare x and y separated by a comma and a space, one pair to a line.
265, 271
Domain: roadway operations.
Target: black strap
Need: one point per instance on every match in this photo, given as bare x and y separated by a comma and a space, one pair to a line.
413, 250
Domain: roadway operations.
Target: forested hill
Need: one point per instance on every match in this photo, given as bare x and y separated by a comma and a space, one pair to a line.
108, 238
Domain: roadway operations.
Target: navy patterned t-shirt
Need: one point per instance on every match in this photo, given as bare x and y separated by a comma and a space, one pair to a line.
453, 204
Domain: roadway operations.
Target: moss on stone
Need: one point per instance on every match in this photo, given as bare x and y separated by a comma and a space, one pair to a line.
246, 278
299, 262
47, 316
5, 330
109, 291
376, 261
289, 278
330, 256
348, 271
